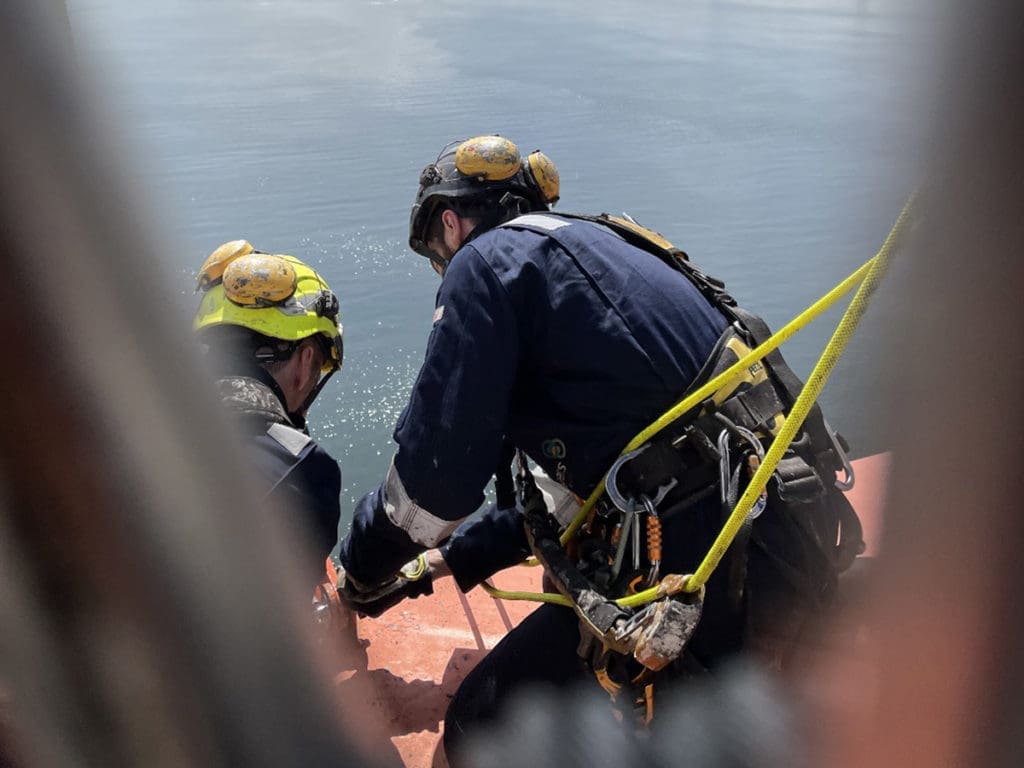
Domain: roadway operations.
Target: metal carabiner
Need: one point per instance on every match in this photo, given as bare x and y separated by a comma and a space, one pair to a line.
630, 505
723, 465
725, 468
848, 481
620, 550
746, 434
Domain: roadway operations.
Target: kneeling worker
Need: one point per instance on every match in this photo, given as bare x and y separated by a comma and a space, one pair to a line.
271, 336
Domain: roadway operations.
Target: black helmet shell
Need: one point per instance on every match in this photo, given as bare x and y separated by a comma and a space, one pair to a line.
468, 169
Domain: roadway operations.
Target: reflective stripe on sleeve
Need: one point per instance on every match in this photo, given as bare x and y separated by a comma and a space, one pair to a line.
422, 527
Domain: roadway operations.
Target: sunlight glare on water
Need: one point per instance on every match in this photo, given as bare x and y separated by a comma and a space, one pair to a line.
774, 141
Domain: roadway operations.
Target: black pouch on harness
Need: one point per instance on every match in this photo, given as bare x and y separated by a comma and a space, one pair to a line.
823, 509
793, 559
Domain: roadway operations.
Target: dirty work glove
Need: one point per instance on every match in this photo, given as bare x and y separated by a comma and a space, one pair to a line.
414, 579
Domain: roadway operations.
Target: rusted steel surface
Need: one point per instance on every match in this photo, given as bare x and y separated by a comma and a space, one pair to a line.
418, 653
868, 497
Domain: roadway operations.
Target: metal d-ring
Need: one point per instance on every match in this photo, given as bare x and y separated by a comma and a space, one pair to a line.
848, 481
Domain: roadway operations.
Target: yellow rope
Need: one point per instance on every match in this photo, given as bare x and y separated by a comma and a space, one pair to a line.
808, 395
868, 276
540, 597
694, 399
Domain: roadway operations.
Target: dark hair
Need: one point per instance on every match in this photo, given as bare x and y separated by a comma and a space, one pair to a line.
435, 227
489, 210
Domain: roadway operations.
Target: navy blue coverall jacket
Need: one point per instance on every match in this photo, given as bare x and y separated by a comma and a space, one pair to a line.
555, 333
287, 466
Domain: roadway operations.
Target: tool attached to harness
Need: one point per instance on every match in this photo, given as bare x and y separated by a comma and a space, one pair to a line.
617, 552
650, 636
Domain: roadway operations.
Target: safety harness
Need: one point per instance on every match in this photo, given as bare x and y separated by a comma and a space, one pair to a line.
635, 621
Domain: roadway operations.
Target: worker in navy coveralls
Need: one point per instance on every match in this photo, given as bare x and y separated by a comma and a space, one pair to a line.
550, 333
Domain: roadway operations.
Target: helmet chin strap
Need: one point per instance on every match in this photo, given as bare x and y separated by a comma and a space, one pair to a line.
439, 264
298, 418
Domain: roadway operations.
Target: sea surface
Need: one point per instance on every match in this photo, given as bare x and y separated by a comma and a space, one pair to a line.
776, 142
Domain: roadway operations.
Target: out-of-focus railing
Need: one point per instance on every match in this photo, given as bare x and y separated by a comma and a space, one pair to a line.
149, 612
942, 682
924, 665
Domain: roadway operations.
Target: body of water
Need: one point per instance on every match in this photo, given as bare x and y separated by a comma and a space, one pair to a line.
775, 142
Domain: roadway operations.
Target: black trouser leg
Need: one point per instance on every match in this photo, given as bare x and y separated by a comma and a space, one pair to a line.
540, 651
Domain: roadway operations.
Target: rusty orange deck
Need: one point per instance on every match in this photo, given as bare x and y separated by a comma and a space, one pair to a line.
418, 652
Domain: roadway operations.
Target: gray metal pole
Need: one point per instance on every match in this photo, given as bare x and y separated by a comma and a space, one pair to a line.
931, 671
149, 615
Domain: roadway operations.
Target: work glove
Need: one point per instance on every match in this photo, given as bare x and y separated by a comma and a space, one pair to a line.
414, 579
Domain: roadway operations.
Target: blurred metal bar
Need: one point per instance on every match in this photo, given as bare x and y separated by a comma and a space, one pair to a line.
149, 611
925, 668
943, 684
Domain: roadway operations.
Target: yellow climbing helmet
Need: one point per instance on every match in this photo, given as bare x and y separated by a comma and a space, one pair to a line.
475, 169
271, 294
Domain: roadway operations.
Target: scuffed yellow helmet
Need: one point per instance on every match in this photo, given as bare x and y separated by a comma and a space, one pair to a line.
545, 175
271, 294
213, 268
